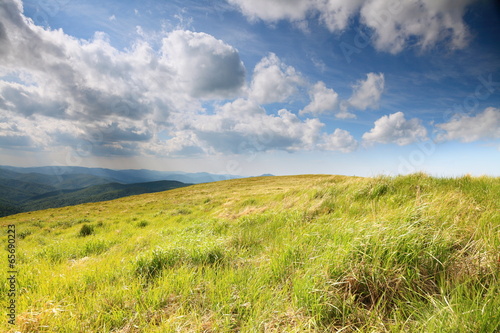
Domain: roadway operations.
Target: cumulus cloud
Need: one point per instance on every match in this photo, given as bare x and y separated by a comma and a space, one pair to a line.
394, 23
339, 140
82, 80
243, 126
209, 67
99, 96
323, 99
58, 91
88, 95
367, 93
485, 125
394, 128
273, 81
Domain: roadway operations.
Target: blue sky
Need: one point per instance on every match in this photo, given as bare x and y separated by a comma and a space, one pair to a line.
362, 87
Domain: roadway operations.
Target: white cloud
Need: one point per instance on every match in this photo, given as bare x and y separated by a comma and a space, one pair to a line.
339, 140
181, 143
82, 80
396, 129
273, 10
429, 21
242, 126
394, 23
209, 67
47, 131
335, 14
96, 90
485, 125
273, 81
323, 99
12, 134
88, 95
366, 94
112, 18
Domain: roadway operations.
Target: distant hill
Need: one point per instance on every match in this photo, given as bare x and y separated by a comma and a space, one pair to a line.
96, 193
15, 191
129, 176
57, 181
25, 189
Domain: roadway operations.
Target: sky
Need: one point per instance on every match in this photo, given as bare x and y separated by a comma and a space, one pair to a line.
247, 87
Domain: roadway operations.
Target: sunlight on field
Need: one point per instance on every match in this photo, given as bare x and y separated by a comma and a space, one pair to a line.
271, 254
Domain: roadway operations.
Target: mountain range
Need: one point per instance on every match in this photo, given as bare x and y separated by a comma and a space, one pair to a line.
35, 188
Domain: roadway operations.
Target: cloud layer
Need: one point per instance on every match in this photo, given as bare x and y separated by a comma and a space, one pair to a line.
76, 91
394, 23
99, 100
188, 93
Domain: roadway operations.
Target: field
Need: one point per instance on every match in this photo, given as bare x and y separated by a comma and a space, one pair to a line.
310, 253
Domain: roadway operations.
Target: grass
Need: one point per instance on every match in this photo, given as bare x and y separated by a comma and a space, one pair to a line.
271, 254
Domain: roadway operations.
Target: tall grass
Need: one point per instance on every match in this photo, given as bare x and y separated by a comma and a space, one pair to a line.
276, 254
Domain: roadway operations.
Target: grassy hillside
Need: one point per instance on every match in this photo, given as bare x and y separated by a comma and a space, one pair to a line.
270, 254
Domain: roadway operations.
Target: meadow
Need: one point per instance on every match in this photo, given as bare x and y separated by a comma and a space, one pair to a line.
312, 253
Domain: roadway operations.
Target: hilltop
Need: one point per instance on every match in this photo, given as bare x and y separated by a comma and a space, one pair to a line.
312, 253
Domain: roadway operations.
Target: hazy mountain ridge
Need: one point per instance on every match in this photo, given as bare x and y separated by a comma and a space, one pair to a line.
97, 193
126, 176
57, 181
33, 188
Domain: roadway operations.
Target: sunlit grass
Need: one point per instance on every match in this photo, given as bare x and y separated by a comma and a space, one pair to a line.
272, 254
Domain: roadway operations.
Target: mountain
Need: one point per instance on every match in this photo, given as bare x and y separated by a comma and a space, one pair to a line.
128, 176
55, 180
13, 190
29, 190
96, 193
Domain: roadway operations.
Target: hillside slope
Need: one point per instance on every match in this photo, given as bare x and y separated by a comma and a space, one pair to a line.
267, 254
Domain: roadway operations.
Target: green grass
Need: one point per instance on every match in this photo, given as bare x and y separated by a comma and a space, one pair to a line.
270, 254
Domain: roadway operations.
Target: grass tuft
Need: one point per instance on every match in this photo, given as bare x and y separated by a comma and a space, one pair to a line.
86, 230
